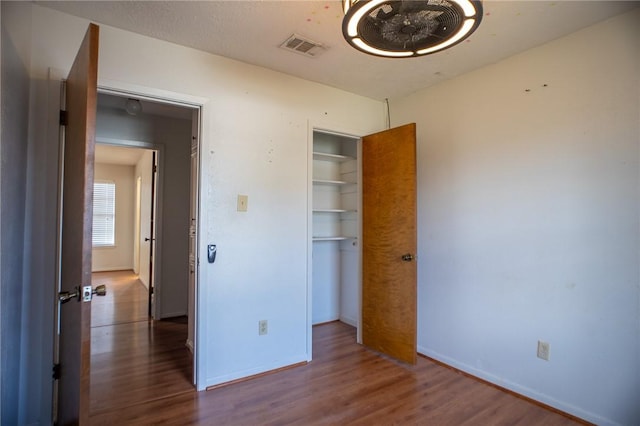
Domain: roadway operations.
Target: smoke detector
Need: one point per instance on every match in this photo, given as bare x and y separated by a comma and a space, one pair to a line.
302, 45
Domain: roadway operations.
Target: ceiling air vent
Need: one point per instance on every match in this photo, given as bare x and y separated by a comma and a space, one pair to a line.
303, 46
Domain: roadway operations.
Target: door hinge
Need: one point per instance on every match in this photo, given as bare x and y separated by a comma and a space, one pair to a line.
56, 372
63, 118
155, 168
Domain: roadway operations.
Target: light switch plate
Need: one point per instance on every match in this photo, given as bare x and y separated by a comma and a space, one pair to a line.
243, 200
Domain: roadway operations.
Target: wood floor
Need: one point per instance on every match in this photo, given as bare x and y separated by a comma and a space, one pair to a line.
140, 375
133, 360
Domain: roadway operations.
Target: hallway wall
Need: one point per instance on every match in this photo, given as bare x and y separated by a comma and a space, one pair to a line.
173, 136
120, 256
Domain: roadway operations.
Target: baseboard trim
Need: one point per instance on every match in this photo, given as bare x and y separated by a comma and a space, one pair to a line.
509, 391
255, 376
114, 269
325, 322
167, 315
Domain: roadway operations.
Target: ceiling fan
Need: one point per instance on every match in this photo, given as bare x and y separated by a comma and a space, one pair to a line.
408, 28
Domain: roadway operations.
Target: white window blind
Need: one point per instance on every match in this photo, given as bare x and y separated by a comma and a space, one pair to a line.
104, 213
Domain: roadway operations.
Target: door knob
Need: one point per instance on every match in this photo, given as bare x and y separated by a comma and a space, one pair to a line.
100, 290
408, 257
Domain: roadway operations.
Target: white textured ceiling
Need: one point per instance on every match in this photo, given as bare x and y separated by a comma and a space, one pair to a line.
109, 154
251, 31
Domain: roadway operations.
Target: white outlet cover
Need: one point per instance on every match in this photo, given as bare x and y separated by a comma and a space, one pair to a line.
263, 327
543, 350
243, 201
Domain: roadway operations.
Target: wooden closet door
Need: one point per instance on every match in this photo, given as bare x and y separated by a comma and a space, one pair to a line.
389, 242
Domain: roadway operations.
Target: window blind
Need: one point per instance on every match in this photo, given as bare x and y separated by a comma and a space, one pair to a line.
104, 213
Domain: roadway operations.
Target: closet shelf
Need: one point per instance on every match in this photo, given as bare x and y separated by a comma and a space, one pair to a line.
336, 158
336, 238
332, 182
333, 211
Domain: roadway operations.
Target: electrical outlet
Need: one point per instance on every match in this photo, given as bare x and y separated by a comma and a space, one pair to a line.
263, 327
543, 350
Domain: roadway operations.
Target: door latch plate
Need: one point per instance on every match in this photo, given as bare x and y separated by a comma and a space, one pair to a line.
87, 291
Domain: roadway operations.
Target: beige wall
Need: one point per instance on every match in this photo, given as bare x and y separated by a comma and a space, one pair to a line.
119, 257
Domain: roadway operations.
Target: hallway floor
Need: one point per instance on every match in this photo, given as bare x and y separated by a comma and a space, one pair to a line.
134, 359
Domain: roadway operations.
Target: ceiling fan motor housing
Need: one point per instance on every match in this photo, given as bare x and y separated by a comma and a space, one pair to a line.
409, 28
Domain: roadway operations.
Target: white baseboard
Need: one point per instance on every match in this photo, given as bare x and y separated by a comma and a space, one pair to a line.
113, 269
164, 315
326, 318
265, 368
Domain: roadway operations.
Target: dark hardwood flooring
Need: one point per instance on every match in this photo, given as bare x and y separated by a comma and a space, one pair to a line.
141, 369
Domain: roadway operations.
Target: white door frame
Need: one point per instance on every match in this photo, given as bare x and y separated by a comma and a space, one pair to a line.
136, 227
356, 134
155, 281
120, 88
